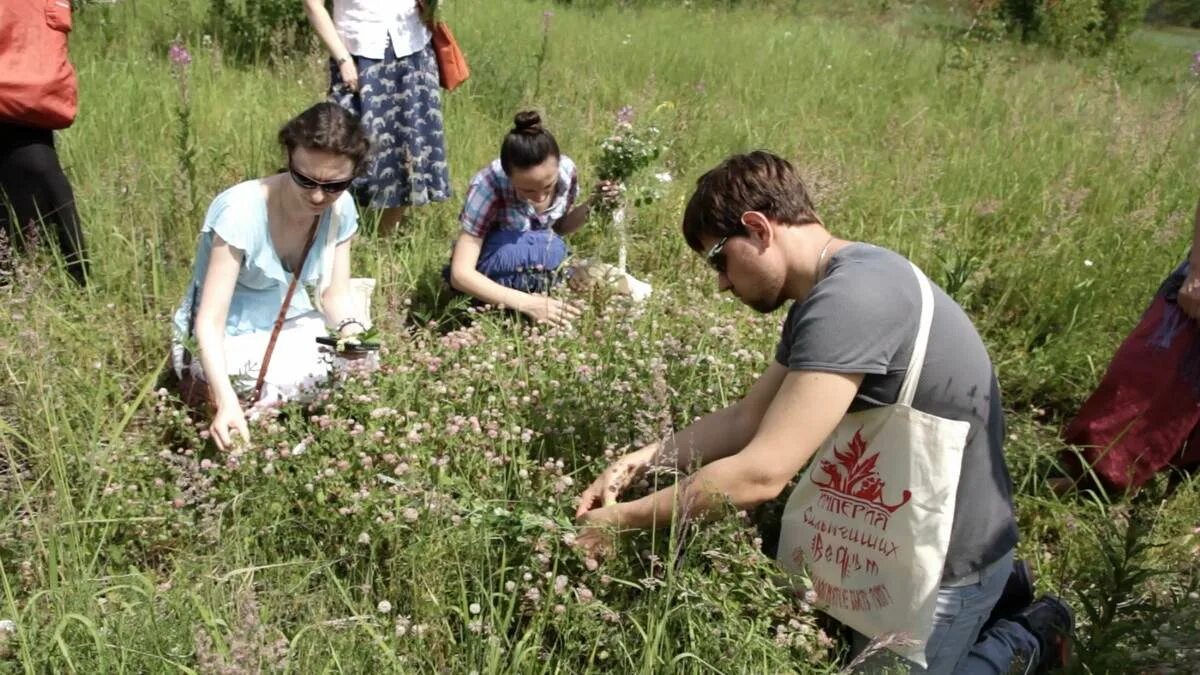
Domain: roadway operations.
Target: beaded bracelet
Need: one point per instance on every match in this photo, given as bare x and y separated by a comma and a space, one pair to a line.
346, 322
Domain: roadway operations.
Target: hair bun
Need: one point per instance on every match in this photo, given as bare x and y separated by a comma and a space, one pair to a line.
527, 122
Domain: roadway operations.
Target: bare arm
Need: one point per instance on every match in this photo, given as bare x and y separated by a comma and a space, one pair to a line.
712, 437
723, 432
577, 216
219, 281
322, 23
807, 408
464, 277
574, 219
336, 301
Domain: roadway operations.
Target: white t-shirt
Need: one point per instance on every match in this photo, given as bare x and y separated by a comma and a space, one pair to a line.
366, 25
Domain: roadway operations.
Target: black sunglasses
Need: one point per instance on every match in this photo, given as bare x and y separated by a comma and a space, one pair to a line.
330, 187
716, 255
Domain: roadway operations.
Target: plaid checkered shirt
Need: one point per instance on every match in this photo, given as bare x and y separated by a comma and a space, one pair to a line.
492, 202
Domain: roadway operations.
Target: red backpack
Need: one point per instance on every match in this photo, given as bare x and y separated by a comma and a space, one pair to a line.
37, 80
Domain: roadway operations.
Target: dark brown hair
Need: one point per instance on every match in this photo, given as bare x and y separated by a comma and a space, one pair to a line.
329, 127
527, 143
758, 181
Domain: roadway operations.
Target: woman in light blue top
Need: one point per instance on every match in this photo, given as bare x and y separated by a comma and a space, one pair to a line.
252, 244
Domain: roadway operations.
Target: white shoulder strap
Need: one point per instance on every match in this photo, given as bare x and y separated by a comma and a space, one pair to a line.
912, 376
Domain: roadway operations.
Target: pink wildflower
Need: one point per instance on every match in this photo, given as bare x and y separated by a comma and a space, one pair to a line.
179, 54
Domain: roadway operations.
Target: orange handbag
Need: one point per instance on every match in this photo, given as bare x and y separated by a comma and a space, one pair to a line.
452, 64
37, 81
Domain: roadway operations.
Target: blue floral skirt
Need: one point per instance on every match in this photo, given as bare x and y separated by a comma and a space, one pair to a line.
399, 101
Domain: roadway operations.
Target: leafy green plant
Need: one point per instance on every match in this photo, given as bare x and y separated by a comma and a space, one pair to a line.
623, 157
1174, 12
1084, 26
1115, 602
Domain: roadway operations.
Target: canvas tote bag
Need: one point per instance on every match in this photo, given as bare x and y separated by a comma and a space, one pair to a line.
870, 518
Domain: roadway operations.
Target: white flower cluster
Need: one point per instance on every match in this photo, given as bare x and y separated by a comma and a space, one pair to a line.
627, 151
625, 154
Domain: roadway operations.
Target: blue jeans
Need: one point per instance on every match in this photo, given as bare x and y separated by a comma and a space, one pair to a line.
956, 646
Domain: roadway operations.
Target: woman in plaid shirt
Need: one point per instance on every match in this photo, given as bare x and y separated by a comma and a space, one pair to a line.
517, 208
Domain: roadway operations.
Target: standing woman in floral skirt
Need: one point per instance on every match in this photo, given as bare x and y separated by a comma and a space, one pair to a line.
382, 67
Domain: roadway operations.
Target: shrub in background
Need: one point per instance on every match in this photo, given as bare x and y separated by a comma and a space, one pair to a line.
1080, 26
1174, 12
249, 30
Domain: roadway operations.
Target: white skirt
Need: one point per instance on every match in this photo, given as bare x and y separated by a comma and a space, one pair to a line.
297, 364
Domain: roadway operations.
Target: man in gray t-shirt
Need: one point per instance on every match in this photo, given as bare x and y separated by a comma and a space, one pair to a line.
862, 318
846, 345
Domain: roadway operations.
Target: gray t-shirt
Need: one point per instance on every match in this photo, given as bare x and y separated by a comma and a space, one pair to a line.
862, 318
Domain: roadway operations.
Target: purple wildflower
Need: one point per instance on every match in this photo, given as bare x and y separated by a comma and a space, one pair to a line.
625, 115
1196, 64
179, 54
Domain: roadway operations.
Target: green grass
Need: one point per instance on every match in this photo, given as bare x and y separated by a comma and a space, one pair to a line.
1002, 170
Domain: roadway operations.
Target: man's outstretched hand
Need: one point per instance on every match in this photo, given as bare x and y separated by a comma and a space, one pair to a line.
598, 534
615, 479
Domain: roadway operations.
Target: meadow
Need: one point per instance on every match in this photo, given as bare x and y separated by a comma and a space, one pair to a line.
417, 519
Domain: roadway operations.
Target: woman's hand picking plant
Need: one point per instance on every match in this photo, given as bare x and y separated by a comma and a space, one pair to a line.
607, 195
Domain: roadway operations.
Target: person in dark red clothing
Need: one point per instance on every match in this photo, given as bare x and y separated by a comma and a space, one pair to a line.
1144, 417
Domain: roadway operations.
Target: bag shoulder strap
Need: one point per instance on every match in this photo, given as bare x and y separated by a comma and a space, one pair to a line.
908, 390
279, 320
426, 18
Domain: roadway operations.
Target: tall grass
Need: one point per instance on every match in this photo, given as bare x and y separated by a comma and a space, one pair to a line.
1049, 196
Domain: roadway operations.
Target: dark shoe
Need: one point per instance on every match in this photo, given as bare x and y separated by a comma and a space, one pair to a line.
1053, 623
1017, 595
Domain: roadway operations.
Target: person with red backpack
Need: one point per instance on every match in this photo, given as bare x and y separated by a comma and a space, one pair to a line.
1144, 417
38, 95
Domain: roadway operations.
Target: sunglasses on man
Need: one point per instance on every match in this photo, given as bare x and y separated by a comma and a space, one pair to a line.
716, 255
329, 187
